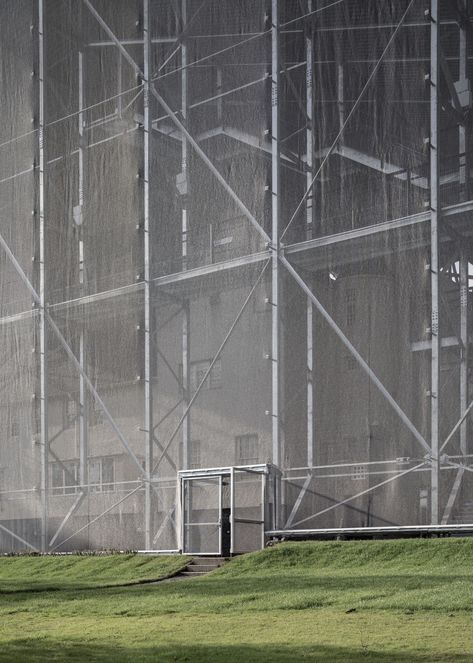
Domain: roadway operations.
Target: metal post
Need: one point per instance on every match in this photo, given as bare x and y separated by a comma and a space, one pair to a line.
186, 321
264, 492
148, 314
83, 413
43, 340
220, 524
309, 233
220, 99
341, 123
464, 293
232, 510
434, 259
83, 416
464, 350
182, 493
186, 385
341, 97
462, 128
275, 182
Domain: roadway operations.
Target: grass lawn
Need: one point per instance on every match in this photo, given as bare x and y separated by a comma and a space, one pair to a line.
403, 601
83, 571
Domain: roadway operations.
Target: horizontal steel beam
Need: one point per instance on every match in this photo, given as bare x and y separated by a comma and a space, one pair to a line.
242, 261
446, 342
334, 531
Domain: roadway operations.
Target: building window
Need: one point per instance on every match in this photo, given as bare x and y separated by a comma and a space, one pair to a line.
351, 307
70, 412
101, 475
65, 478
359, 472
247, 449
198, 369
194, 455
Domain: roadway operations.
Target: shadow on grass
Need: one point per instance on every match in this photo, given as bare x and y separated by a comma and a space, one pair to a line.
17, 651
220, 593
18, 587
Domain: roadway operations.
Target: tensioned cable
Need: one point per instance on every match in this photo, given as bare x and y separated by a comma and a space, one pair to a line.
182, 35
75, 113
94, 520
348, 117
190, 64
244, 41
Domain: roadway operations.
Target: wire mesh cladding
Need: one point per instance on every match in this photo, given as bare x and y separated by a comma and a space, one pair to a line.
233, 235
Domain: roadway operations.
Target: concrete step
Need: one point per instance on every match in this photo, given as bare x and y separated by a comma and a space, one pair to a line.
210, 560
204, 568
200, 566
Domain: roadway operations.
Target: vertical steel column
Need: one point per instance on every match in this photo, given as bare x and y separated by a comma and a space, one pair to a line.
434, 259
275, 208
186, 384
220, 98
264, 492
43, 340
464, 350
220, 526
309, 47
83, 413
186, 321
462, 139
341, 96
232, 510
182, 493
341, 122
148, 314
464, 294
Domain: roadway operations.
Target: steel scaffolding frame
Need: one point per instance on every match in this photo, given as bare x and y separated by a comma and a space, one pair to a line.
281, 257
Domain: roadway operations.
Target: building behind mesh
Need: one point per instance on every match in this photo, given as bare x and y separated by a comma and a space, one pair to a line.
235, 270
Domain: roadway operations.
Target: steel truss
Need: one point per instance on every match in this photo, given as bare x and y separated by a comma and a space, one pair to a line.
288, 259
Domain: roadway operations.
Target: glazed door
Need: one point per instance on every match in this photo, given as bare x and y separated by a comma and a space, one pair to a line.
202, 515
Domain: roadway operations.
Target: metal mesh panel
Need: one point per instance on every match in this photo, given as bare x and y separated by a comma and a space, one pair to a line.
233, 234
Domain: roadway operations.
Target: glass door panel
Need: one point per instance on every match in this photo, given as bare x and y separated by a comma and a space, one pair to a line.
202, 508
248, 510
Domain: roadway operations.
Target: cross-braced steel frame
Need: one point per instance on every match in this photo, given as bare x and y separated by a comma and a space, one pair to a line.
278, 259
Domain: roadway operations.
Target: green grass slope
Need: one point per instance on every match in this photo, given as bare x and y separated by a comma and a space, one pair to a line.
405, 601
27, 573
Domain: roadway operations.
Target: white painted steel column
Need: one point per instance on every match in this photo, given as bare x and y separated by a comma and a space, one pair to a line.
275, 233
310, 204
148, 313
434, 259
83, 409
464, 293
43, 338
186, 316
463, 76
464, 349
232, 510
264, 493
